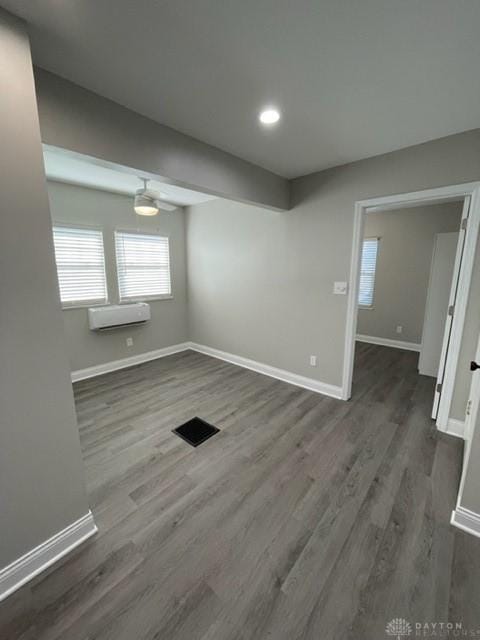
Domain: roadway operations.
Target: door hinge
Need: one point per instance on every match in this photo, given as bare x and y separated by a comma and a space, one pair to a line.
451, 309
469, 406
439, 387
464, 223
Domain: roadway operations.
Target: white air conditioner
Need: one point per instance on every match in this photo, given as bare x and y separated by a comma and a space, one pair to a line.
118, 315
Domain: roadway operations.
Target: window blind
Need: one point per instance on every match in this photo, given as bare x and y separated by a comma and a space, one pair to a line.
367, 272
80, 265
143, 266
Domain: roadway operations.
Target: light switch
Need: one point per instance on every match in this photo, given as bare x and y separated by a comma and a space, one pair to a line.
340, 288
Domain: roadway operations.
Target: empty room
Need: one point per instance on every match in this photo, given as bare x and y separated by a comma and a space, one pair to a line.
240, 320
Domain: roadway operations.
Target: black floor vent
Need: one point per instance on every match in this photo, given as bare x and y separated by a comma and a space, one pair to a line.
196, 431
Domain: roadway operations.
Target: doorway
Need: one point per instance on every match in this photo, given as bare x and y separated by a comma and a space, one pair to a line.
469, 194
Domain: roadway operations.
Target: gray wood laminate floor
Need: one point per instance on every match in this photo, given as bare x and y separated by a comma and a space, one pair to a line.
305, 517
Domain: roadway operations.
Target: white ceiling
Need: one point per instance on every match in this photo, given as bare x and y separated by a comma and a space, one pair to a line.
75, 169
353, 78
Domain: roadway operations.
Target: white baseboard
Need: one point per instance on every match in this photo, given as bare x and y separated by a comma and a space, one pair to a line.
280, 374
16, 574
466, 520
114, 365
259, 367
387, 342
455, 428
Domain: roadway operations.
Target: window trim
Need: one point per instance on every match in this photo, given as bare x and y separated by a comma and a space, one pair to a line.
93, 302
84, 304
368, 307
147, 298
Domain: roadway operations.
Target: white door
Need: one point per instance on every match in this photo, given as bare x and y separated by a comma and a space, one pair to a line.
436, 308
451, 309
473, 408
461, 515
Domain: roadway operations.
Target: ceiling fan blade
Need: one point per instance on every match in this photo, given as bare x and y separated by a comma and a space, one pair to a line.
159, 202
165, 206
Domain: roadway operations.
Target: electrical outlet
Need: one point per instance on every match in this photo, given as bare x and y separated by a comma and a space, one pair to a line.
313, 361
399, 328
129, 342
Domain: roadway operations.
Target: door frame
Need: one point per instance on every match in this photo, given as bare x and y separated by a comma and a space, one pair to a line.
462, 517
452, 302
400, 201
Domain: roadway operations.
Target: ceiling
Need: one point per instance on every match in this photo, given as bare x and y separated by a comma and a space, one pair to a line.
75, 169
352, 78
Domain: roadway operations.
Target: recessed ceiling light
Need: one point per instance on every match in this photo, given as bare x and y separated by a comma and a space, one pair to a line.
269, 116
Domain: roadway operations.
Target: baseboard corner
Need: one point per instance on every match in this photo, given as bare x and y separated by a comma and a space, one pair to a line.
25, 568
131, 361
466, 520
388, 342
311, 384
455, 428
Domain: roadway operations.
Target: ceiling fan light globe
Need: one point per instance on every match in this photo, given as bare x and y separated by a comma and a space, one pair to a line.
145, 206
146, 211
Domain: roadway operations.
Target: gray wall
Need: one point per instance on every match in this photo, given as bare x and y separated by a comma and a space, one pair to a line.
260, 283
81, 121
168, 326
403, 267
41, 471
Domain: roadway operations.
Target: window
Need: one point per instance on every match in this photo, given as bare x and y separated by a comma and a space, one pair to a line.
143, 266
367, 272
80, 266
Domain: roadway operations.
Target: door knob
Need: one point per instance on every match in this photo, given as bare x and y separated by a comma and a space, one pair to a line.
474, 366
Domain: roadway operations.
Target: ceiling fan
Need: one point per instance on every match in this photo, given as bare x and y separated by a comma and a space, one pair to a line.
148, 203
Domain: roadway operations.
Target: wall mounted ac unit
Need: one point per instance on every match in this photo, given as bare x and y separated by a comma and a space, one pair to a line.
115, 316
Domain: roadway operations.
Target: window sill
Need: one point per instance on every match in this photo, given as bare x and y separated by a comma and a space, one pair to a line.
85, 305
145, 299
106, 303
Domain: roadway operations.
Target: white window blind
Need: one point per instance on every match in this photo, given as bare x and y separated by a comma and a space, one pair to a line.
367, 272
80, 265
143, 266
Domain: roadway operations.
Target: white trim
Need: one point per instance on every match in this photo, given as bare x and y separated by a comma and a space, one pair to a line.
114, 365
463, 518
461, 300
16, 574
457, 520
466, 520
472, 413
441, 194
388, 342
352, 303
415, 198
439, 411
280, 374
456, 428
259, 367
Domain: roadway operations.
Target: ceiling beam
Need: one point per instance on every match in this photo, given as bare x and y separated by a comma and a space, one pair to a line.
78, 120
